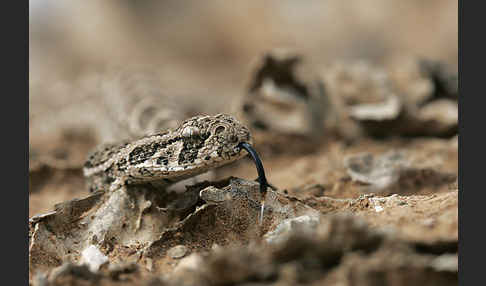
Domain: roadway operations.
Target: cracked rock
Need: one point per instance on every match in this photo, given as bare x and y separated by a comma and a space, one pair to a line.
285, 99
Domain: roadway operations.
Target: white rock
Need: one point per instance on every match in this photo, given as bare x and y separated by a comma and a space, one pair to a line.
191, 262
378, 209
300, 223
177, 251
93, 257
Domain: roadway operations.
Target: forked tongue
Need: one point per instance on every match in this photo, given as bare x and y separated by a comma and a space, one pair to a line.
261, 175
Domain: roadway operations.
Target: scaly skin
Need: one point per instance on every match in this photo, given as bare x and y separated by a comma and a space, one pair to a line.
199, 144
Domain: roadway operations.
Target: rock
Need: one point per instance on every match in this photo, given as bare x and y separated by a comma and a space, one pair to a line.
93, 257
357, 82
40, 279
230, 215
412, 98
396, 172
212, 194
191, 262
389, 109
116, 270
379, 171
363, 95
132, 224
303, 223
441, 116
430, 93
341, 244
446, 262
378, 209
69, 269
177, 251
446, 83
284, 99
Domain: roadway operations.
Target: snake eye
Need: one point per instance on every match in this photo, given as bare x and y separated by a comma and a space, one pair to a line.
233, 138
219, 129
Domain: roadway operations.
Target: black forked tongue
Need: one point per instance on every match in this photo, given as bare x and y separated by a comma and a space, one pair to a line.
261, 174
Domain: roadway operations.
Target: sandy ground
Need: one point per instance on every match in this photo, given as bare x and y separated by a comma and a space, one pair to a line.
405, 233
422, 210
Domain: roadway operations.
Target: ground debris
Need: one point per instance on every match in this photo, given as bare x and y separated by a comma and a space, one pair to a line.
415, 97
341, 248
177, 251
393, 172
285, 100
146, 222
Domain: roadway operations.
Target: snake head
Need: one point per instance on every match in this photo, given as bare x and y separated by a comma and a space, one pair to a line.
212, 139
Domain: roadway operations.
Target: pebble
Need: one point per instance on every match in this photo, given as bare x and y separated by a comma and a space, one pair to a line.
191, 262
177, 251
305, 223
378, 209
93, 257
429, 222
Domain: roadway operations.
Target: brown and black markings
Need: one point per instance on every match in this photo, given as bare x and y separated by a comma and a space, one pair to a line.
199, 144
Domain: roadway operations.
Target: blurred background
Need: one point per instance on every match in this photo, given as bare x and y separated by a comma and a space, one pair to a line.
208, 45
205, 50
